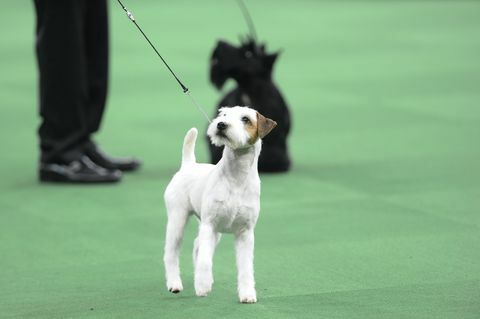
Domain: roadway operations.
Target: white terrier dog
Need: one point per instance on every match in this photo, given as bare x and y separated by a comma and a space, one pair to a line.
224, 197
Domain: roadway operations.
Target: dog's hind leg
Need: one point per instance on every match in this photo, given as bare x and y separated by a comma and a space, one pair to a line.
177, 220
205, 245
244, 243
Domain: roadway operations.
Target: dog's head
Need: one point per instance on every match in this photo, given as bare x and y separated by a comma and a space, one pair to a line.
247, 61
239, 127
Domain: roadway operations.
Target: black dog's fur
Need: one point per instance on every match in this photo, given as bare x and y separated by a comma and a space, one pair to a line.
251, 67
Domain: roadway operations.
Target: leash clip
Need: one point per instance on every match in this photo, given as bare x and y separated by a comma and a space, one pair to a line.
130, 15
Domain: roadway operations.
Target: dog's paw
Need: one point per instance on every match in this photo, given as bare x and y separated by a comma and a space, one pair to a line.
203, 288
175, 286
247, 296
248, 299
202, 293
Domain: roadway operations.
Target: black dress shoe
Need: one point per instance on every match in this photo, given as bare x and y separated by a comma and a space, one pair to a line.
100, 158
81, 170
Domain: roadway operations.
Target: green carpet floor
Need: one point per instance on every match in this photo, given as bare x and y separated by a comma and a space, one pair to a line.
379, 218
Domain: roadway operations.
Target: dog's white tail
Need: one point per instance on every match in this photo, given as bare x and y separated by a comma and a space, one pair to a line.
188, 152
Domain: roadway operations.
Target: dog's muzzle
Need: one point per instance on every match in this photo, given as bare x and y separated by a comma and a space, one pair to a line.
221, 126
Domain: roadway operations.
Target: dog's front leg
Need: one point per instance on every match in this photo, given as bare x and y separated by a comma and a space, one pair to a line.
244, 243
207, 239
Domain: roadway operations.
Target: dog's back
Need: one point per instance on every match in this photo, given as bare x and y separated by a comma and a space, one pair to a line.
190, 173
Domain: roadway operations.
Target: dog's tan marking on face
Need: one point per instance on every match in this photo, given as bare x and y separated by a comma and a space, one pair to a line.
252, 130
264, 125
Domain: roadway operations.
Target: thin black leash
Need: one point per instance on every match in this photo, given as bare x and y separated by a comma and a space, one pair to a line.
184, 88
248, 19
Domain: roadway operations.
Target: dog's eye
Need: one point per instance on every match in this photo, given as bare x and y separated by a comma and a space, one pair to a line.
245, 120
248, 54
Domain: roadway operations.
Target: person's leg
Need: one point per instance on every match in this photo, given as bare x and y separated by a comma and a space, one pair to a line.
62, 64
97, 54
64, 94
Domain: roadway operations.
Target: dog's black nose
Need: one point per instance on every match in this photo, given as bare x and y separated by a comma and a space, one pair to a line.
221, 126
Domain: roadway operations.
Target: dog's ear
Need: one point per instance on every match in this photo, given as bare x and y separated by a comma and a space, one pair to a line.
270, 59
218, 75
264, 125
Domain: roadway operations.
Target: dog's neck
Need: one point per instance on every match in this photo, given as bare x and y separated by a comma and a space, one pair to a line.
239, 164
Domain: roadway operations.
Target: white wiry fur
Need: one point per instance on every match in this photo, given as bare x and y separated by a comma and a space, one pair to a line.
225, 198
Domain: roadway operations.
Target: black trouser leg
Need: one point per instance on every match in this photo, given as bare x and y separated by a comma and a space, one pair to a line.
97, 56
72, 53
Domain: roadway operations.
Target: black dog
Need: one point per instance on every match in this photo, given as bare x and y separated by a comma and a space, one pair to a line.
251, 67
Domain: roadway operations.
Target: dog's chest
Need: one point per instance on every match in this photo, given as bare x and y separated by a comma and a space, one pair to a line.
234, 209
